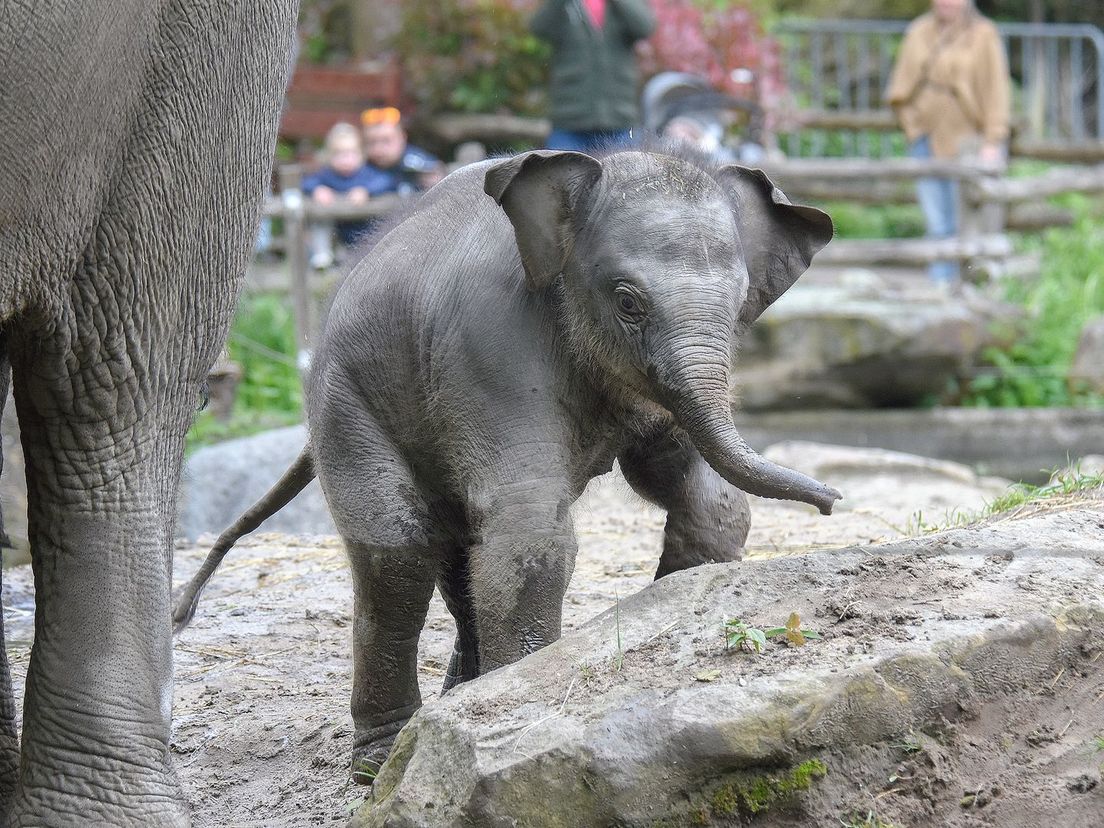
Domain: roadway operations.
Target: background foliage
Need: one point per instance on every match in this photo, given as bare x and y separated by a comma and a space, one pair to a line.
472, 56
1070, 292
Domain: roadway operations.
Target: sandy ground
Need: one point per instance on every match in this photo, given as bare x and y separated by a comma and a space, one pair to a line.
262, 733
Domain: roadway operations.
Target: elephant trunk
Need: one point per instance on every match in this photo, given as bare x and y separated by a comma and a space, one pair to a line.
703, 409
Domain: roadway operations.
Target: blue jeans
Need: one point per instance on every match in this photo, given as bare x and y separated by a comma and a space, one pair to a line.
586, 141
938, 199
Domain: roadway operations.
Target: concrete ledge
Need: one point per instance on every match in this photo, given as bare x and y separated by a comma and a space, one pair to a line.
1017, 443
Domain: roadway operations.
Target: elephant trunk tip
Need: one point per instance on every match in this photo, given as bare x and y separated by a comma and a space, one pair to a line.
825, 498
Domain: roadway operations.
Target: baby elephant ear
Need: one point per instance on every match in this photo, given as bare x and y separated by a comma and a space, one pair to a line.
778, 239
540, 192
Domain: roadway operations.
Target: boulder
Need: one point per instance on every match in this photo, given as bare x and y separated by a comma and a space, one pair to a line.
222, 481
859, 343
956, 672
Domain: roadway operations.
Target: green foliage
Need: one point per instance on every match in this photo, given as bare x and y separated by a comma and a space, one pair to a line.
270, 395
472, 56
1031, 371
863, 221
262, 341
754, 640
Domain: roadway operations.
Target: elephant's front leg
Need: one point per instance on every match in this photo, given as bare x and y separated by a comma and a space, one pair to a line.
96, 713
520, 571
707, 517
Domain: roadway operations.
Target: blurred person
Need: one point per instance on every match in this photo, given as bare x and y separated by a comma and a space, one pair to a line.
594, 77
344, 177
950, 90
403, 167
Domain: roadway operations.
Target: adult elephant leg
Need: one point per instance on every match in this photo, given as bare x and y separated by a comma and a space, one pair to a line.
520, 570
98, 699
9, 739
455, 588
707, 517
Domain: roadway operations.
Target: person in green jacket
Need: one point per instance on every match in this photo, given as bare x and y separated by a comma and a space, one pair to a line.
594, 81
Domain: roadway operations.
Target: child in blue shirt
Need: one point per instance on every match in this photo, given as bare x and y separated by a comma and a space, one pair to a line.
405, 168
344, 178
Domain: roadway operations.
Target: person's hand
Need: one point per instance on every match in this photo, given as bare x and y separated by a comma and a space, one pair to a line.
357, 195
991, 155
323, 195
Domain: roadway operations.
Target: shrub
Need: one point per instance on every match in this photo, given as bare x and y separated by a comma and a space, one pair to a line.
716, 40
478, 55
1070, 291
472, 56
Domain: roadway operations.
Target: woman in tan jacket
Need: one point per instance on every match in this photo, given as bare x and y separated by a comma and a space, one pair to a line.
951, 91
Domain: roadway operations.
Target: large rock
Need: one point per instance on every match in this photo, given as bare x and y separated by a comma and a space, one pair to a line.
222, 481
957, 672
861, 343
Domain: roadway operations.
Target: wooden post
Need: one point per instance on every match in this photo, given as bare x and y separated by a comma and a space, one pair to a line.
295, 232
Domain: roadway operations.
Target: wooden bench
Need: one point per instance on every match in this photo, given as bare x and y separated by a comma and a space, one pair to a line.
320, 96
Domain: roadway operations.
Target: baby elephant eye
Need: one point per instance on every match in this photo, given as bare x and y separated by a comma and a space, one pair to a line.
628, 303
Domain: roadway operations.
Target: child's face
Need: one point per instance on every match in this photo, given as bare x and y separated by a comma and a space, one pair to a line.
345, 156
384, 144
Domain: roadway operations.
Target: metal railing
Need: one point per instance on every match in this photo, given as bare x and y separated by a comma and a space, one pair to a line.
843, 66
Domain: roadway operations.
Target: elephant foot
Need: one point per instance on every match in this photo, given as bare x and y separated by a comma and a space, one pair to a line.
53, 808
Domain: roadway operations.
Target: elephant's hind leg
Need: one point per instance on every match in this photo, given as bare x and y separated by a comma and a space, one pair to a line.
707, 517
394, 558
456, 590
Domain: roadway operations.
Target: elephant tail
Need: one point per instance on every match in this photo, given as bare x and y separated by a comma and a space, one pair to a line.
295, 479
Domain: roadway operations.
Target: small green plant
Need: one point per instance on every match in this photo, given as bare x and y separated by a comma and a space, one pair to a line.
1098, 744
869, 819
365, 771
619, 658
1062, 484
910, 743
740, 635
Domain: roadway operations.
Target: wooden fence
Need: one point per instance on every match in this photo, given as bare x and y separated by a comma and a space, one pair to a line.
988, 200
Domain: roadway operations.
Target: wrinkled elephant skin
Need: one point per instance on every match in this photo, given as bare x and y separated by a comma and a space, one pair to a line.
135, 144
489, 356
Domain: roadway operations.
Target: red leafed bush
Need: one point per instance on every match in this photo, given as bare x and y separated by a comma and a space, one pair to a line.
725, 45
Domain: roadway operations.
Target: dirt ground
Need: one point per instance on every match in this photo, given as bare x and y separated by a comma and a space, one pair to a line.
262, 733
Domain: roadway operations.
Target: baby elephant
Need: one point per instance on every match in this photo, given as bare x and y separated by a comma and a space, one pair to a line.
489, 356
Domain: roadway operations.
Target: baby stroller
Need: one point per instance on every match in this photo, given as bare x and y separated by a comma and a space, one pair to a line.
685, 107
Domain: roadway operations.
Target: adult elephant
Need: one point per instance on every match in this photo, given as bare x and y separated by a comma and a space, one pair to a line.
135, 138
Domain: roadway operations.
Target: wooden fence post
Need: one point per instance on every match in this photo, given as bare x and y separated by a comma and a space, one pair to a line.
295, 232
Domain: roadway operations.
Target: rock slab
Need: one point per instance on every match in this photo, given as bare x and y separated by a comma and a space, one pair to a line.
222, 481
961, 667
860, 343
